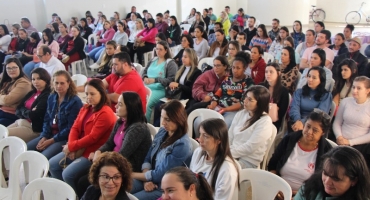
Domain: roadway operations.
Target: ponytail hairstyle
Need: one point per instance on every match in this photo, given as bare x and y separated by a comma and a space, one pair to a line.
243, 57
188, 178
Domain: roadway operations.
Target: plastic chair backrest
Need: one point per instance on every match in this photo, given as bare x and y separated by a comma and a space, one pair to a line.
332, 84
153, 131
51, 188
208, 60
148, 93
203, 114
94, 41
333, 144
268, 57
139, 68
185, 27
265, 185
4, 132
131, 197
332, 109
194, 144
35, 165
79, 79
247, 51
269, 144
363, 47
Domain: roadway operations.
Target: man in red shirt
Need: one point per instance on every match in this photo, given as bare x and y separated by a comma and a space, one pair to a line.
124, 79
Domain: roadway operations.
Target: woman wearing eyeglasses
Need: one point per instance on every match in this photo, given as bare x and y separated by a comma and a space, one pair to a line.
312, 95
298, 155
158, 74
14, 86
352, 122
110, 176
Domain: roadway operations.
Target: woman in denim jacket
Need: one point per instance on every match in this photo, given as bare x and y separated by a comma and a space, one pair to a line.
171, 147
63, 107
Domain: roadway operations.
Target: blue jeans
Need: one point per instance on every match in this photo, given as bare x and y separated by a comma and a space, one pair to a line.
73, 171
139, 192
29, 67
93, 53
7, 118
50, 151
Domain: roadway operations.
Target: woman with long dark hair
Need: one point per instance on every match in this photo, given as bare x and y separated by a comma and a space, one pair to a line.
257, 65
74, 50
312, 95
339, 47
55, 30
278, 93
200, 42
278, 44
219, 47
14, 85
27, 54
147, 38
31, 110
343, 175
181, 183
289, 69
85, 30
261, 39
171, 148
186, 42
214, 159
297, 33
5, 40
251, 128
173, 32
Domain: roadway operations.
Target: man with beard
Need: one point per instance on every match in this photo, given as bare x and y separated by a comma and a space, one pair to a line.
354, 54
274, 32
321, 40
251, 31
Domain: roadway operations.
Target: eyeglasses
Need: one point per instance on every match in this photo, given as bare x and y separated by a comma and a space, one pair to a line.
40, 56
324, 114
11, 68
106, 178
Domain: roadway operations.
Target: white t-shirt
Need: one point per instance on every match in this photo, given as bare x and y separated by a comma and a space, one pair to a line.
329, 54
226, 183
299, 166
53, 65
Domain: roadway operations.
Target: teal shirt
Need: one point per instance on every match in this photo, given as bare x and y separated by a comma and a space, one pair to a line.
156, 70
299, 196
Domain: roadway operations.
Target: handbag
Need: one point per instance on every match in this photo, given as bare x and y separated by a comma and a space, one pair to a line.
63, 162
173, 94
273, 111
65, 59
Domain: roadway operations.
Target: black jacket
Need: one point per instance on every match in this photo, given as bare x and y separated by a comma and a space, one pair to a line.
360, 59
85, 32
93, 193
286, 146
36, 116
192, 27
188, 86
78, 47
343, 49
176, 33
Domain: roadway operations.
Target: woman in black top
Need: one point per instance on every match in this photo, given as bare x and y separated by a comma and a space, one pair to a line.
85, 30
173, 32
74, 48
186, 42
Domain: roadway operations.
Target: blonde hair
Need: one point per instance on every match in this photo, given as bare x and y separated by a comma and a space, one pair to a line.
193, 64
141, 22
225, 18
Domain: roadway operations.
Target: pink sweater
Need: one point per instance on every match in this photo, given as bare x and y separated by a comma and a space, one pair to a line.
206, 83
108, 35
148, 35
54, 47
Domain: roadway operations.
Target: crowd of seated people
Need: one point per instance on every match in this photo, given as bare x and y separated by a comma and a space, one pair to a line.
91, 149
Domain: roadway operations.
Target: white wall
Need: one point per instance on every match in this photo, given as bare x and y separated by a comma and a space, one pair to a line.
39, 11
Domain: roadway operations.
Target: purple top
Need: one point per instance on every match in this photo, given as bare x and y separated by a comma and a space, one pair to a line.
118, 138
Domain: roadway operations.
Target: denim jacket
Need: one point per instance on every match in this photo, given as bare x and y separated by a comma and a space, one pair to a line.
171, 156
69, 109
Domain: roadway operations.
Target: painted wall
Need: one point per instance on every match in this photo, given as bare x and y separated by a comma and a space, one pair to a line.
336, 10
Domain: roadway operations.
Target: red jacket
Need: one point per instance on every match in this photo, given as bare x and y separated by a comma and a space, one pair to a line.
206, 83
258, 71
97, 130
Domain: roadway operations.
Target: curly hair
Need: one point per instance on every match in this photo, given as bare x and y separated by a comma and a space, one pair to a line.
112, 159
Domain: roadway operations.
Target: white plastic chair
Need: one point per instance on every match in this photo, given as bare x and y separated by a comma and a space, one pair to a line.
131, 197
208, 60
148, 93
139, 68
185, 27
147, 57
269, 144
79, 79
333, 144
268, 57
35, 166
80, 64
203, 114
265, 185
194, 144
247, 51
51, 188
4, 132
10, 148
153, 131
